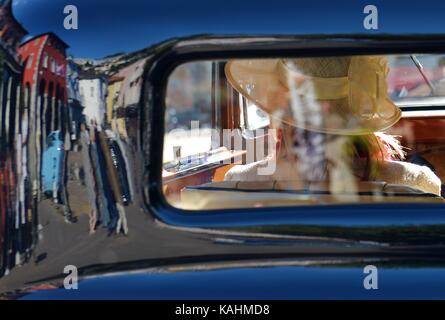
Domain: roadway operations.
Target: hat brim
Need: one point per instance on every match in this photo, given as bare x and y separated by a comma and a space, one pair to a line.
258, 80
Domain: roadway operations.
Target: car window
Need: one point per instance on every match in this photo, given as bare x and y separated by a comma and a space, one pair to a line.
252, 117
301, 131
188, 117
416, 76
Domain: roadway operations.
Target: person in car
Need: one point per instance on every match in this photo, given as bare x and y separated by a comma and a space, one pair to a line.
329, 115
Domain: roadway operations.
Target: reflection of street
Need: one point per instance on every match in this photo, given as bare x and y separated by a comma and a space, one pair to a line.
78, 191
95, 185
66, 137
149, 244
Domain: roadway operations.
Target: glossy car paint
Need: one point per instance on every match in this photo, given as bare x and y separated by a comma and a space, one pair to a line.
169, 254
258, 283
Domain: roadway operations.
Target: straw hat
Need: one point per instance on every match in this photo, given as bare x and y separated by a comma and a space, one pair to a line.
336, 95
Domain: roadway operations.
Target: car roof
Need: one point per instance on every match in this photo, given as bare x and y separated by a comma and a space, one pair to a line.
134, 25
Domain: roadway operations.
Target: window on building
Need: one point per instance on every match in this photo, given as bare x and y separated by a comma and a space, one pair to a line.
45, 60
82, 95
30, 60
53, 65
92, 92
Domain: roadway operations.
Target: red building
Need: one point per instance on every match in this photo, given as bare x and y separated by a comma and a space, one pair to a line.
44, 81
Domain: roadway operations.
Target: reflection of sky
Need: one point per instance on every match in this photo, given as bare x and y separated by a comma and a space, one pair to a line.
110, 26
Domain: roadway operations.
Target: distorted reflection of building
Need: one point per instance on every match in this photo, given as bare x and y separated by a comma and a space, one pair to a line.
108, 185
118, 137
114, 87
44, 79
127, 105
105, 193
123, 106
54, 117
17, 212
93, 91
75, 107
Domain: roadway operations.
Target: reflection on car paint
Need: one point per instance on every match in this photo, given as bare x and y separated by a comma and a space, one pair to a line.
72, 174
60, 134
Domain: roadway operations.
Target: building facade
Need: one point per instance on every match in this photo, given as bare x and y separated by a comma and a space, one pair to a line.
114, 86
75, 107
44, 82
93, 93
127, 105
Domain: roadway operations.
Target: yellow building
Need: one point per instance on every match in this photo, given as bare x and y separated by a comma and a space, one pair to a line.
114, 87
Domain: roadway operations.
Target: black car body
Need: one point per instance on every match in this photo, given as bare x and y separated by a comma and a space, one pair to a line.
162, 252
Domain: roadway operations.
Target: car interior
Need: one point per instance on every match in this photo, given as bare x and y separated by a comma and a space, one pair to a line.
212, 130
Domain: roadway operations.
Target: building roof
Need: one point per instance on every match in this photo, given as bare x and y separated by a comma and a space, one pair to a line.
114, 79
50, 34
89, 75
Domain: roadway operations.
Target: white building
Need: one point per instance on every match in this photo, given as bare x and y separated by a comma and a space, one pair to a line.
93, 91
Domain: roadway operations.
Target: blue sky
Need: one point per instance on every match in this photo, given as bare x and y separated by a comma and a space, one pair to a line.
111, 26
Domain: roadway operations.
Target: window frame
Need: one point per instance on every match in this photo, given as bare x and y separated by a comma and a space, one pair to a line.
346, 216
30, 61
45, 60
53, 65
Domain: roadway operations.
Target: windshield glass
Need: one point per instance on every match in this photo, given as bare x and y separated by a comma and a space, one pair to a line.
416, 76
303, 131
